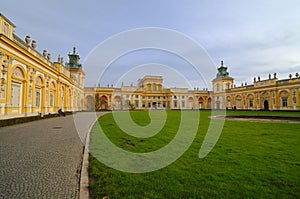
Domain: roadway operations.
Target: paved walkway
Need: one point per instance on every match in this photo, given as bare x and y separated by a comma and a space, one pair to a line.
42, 159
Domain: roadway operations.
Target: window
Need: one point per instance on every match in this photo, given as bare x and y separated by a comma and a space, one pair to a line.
127, 103
175, 103
294, 96
154, 87
136, 103
136, 96
250, 103
218, 87
158, 104
164, 104
228, 102
158, 87
182, 104
149, 88
38, 97
16, 94
51, 99
284, 102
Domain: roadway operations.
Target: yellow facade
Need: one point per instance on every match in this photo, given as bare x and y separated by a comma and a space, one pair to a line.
148, 94
269, 94
30, 84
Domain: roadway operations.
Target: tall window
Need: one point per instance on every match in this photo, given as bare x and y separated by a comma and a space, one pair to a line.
175, 103
294, 96
136, 103
284, 102
38, 97
51, 99
154, 87
218, 87
251, 103
149, 88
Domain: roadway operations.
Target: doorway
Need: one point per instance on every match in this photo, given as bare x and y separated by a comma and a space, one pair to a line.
266, 105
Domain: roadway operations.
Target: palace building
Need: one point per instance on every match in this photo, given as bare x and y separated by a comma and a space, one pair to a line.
30, 83
267, 94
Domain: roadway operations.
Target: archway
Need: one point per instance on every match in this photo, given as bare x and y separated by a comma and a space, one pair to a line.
103, 103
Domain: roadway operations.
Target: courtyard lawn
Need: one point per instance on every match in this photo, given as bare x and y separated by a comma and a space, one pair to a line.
250, 160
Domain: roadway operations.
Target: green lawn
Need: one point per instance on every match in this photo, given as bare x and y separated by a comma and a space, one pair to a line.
250, 160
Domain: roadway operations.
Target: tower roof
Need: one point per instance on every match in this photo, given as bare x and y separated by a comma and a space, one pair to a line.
74, 60
222, 72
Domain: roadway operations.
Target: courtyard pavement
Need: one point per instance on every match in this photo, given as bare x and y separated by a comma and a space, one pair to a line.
42, 159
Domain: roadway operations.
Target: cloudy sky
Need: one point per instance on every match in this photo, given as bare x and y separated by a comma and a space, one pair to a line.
254, 38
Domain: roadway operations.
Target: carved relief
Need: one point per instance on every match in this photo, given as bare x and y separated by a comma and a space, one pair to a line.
17, 73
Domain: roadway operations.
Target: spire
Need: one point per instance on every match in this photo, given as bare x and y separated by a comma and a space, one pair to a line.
222, 63
74, 50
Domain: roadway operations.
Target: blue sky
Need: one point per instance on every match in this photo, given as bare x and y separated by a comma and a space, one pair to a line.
254, 38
